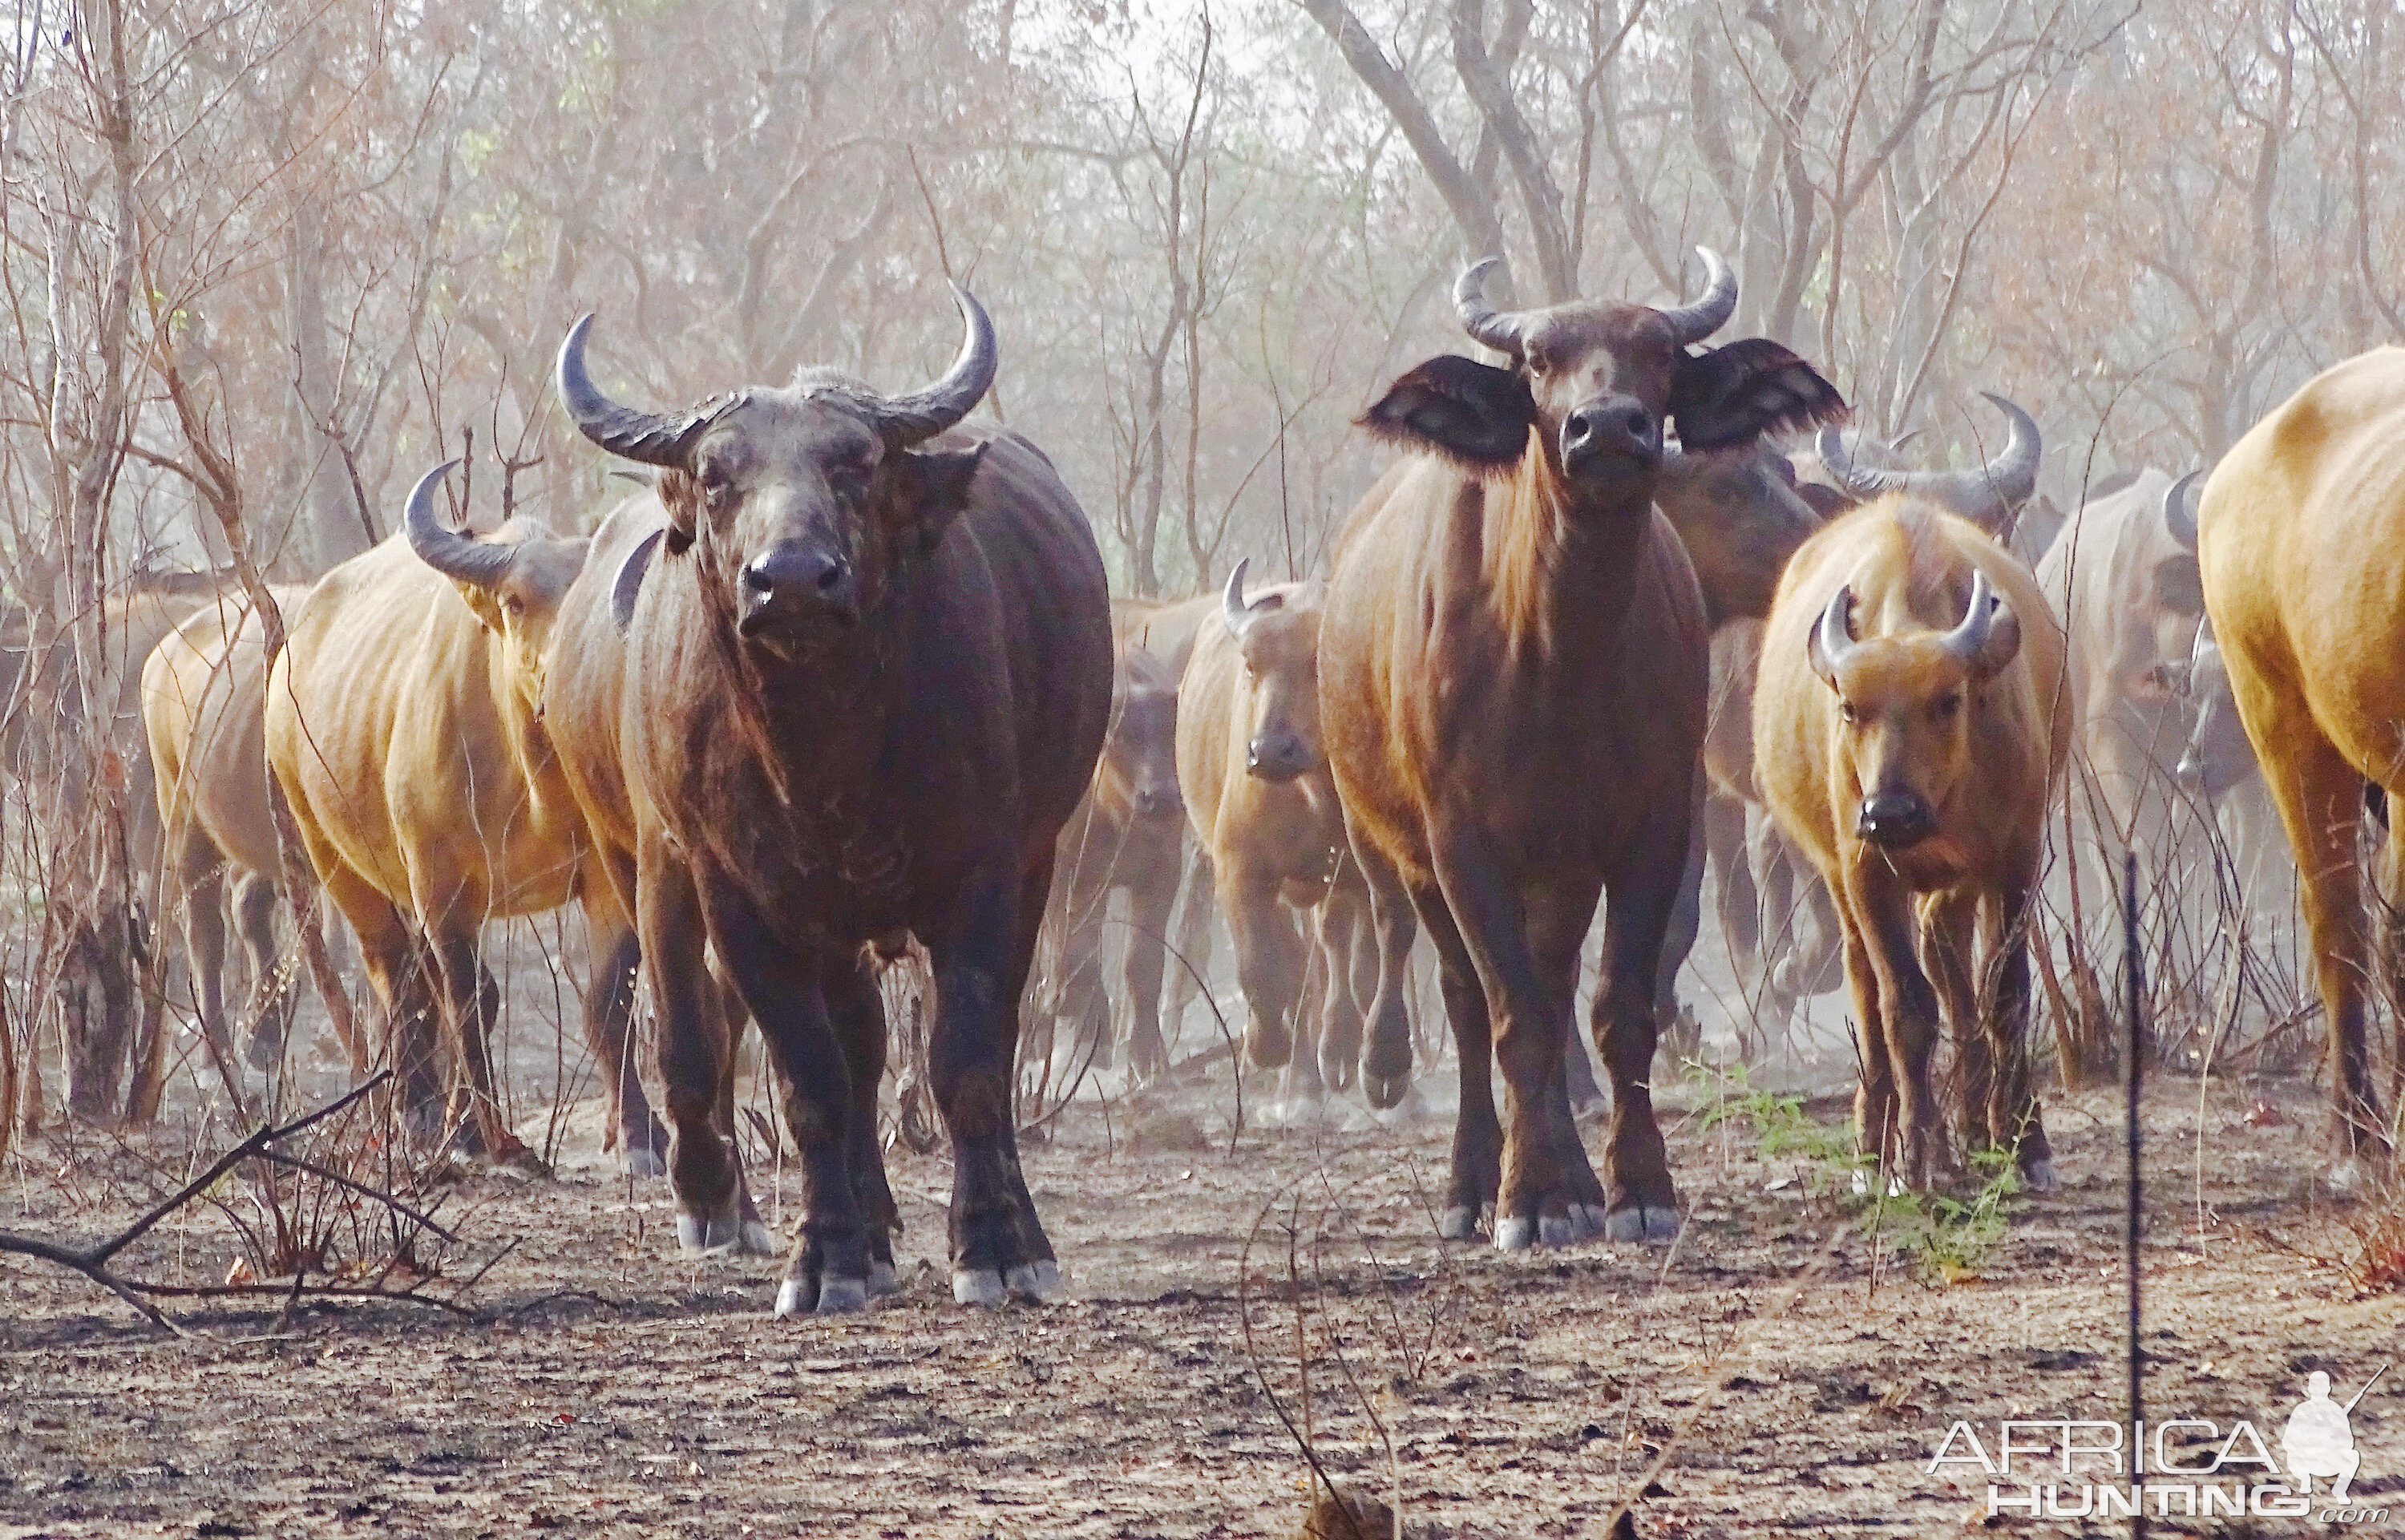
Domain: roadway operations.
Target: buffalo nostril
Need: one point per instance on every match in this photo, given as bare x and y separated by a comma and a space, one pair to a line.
756, 580
1639, 422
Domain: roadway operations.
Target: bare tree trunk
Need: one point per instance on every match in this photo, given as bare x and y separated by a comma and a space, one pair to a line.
96, 967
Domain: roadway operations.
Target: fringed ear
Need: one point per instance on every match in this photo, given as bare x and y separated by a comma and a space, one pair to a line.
679, 493
1727, 396
1472, 414
930, 489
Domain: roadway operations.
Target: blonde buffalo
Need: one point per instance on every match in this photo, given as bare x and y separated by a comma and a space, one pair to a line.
2300, 545
1910, 725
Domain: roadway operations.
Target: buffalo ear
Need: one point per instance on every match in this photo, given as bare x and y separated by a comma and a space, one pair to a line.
1474, 414
2179, 586
679, 493
1732, 395
930, 489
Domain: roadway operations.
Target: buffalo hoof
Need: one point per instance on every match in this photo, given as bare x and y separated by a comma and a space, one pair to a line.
1457, 1223
1385, 1092
1515, 1234
706, 1236
2039, 1177
1039, 1281
1588, 1222
832, 1297
883, 1280
977, 1286
644, 1163
1650, 1223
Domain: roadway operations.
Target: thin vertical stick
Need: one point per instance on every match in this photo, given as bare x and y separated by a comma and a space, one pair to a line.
2134, 966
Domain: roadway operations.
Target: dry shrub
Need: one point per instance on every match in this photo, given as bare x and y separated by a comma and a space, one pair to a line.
2378, 1266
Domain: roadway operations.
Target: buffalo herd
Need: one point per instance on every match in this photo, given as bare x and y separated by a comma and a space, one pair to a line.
845, 679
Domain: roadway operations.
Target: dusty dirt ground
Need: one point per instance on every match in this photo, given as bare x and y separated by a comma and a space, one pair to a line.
608, 1386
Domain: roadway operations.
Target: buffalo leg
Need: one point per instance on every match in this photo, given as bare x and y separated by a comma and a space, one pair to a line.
1351, 964
609, 1031
983, 952
1152, 894
1559, 917
1386, 1054
1685, 922
1300, 1084
471, 1003
1476, 1170
1951, 930
388, 954
1736, 904
1908, 1015
1527, 1032
782, 989
271, 1003
1189, 959
202, 882
1642, 892
695, 1049
857, 1012
2013, 1112
1270, 960
2320, 797
1085, 892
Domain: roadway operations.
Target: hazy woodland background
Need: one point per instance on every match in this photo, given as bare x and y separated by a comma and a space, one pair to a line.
265, 261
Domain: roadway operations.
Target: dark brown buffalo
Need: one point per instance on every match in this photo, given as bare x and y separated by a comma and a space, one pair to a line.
1512, 693
855, 697
1128, 835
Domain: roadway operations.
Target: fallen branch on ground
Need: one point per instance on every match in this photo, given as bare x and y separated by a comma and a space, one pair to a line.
93, 1261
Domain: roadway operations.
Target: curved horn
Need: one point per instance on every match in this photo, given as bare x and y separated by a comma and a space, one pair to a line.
1983, 495
1863, 481
1232, 608
1969, 638
2012, 475
923, 413
629, 585
463, 557
2176, 513
1833, 635
645, 436
1502, 330
1700, 317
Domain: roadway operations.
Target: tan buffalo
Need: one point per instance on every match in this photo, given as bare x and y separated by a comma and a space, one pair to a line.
2300, 547
1908, 736
204, 713
404, 724
1513, 692
1264, 809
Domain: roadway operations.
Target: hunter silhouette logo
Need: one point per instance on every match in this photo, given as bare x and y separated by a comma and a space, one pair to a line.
2177, 1467
2319, 1440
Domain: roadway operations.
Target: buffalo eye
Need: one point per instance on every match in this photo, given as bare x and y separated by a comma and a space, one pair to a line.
1846, 711
1946, 705
716, 486
1537, 358
513, 606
